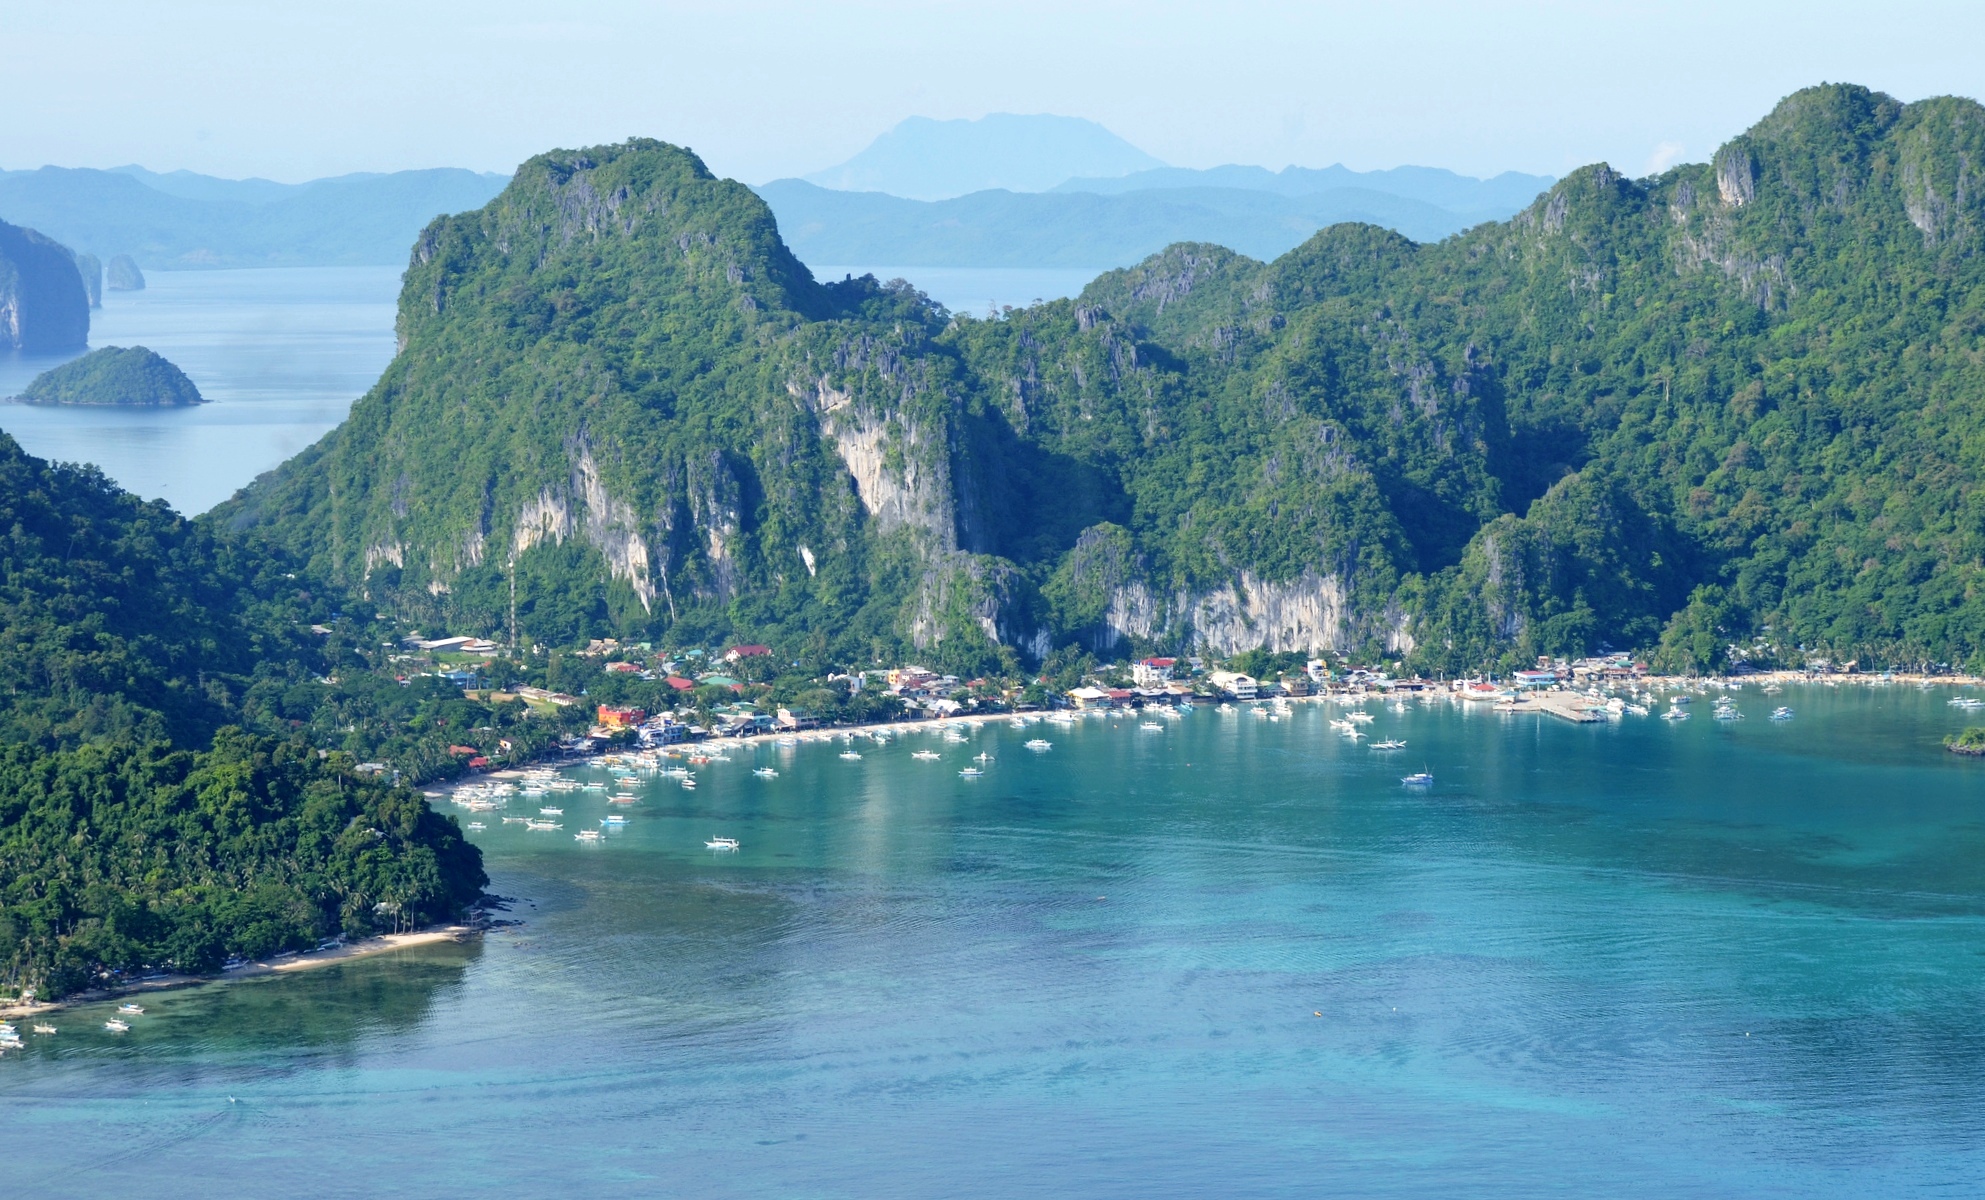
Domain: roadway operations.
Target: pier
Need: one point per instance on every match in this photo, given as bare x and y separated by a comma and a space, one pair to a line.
1568, 705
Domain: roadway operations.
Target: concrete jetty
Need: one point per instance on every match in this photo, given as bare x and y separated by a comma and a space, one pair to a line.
1568, 705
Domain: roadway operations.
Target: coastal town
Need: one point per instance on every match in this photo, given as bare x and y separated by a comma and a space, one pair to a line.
641, 697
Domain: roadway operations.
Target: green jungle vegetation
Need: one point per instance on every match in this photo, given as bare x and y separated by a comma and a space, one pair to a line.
160, 803
114, 375
1732, 406
1971, 741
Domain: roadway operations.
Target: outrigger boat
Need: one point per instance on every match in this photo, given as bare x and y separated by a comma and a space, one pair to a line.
721, 843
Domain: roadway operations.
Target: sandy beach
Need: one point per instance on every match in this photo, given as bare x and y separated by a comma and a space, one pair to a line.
382, 944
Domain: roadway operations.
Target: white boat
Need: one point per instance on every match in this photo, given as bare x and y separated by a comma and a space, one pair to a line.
1034, 744
117, 1026
982, 756
586, 835
551, 812
1361, 716
1389, 744
971, 772
1675, 714
613, 820
1152, 726
927, 755
721, 843
765, 772
476, 825
689, 784
40, 1028
1417, 779
851, 756
516, 820
541, 825
1781, 714
133, 1009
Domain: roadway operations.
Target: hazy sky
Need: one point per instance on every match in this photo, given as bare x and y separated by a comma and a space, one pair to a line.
296, 90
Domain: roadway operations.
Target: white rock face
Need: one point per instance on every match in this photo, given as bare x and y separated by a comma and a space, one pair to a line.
914, 492
608, 523
1305, 613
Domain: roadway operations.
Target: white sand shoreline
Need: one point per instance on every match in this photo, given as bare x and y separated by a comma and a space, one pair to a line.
365, 948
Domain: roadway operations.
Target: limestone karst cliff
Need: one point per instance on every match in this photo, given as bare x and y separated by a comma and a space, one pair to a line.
1736, 400
43, 307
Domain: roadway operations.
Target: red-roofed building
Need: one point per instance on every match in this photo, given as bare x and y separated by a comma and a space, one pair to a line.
739, 652
623, 668
461, 750
621, 718
680, 684
1152, 671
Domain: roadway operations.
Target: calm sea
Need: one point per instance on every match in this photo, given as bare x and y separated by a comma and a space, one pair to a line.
279, 354
1228, 957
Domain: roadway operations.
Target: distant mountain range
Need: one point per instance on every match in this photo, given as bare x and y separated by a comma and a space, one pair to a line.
923, 159
1503, 194
1083, 229
182, 219
1048, 191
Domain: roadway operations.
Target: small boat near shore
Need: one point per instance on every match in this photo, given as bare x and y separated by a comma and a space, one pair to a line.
587, 835
721, 843
1389, 744
926, 755
765, 772
1418, 779
851, 755
40, 1028
136, 1010
551, 812
971, 773
1035, 744
117, 1026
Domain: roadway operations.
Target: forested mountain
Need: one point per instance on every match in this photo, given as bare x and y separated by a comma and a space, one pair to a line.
130, 834
1739, 399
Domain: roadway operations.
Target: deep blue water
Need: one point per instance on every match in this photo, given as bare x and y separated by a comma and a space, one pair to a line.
1232, 958
279, 354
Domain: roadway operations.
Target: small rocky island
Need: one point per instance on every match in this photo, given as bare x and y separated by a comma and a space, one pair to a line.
134, 377
125, 275
43, 307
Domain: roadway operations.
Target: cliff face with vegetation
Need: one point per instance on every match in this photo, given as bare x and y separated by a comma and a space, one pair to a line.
1738, 400
43, 307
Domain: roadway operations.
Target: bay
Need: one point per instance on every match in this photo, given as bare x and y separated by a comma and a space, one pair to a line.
280, 354
1231, 956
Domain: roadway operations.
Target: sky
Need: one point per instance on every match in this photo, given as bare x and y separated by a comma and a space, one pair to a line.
292, 90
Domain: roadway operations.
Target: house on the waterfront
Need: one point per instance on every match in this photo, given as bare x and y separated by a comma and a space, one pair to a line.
1235, 684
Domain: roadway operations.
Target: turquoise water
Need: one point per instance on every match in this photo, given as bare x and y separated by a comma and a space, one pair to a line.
1234, 957
279, 355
